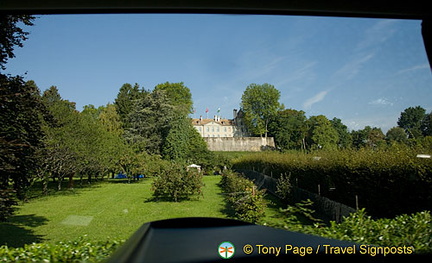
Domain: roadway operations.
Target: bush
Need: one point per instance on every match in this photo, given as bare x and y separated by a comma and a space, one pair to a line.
80, 250
247, 201
175, 183
387, 182
404, 230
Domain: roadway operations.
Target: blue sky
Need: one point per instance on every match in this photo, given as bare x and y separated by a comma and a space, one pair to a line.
363, 71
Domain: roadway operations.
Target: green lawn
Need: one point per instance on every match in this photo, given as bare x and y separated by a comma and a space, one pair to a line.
107, 210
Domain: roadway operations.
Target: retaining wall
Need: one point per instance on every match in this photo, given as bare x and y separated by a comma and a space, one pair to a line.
239, 144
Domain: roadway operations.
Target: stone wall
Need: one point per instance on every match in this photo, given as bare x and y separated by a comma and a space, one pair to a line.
238, 144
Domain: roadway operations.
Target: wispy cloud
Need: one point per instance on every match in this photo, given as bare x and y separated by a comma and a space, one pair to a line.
378, 33
315, 99
352, 67
381, 102
414, 68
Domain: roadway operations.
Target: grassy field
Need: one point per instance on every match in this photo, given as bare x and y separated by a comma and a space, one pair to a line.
106, 211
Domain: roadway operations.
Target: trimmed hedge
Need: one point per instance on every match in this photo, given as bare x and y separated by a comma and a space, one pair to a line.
80, 250
387, 182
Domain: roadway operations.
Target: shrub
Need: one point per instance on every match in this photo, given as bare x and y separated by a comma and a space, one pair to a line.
284, 187
175, 183
403, 230
80, 250
247, 201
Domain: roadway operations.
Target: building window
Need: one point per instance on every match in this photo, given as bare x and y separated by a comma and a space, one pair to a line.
207, 128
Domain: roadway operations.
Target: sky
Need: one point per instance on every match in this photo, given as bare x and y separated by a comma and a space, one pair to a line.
363, 71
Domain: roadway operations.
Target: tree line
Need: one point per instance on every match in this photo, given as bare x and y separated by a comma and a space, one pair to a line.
43, 136
292, 130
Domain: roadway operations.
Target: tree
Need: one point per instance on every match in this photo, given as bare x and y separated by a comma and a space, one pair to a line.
20, 133
321, 133
396, 134
260, 103
179, 95
289, 128
150, 122
426, 126
110, 119
345, 139
411, 120
12, 35
184, 143
368, 137
125, 101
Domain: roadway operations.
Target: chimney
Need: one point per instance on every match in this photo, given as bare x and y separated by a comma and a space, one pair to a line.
235, 113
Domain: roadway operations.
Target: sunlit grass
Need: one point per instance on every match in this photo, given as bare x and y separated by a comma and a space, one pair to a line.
107, 211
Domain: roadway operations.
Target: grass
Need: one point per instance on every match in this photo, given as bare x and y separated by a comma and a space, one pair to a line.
104, 211
110, 210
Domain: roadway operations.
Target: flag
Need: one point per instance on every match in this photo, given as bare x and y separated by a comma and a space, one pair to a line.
206, 110
218, 110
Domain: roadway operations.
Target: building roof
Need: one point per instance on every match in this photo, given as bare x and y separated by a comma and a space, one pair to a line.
222, 122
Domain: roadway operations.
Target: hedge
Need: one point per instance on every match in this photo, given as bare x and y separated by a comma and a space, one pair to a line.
386, 182
80, 250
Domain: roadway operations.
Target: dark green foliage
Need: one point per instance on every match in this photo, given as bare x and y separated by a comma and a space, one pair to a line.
184, 143
403, 230
150, 122
321, 133
396, 134
80, 250
260, 104
284, 187
345, 138
289, 128
125, 101
386, 182
300, 214
174, 183
179, 95
244, 197
411, 120
20, 132
12, 35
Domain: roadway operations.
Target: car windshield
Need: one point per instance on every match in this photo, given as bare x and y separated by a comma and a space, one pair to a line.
112, 121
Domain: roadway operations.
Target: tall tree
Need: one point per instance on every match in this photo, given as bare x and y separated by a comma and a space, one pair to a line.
20, 133
260, 103
321, 133
179, 95
345, 139
110, 119
426, 126
289, 128
184, 143
125, 102
368, 137
396, 134
150, 122
411, 120
12, 35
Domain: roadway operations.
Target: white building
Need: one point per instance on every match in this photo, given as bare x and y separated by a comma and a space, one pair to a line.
218, 127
